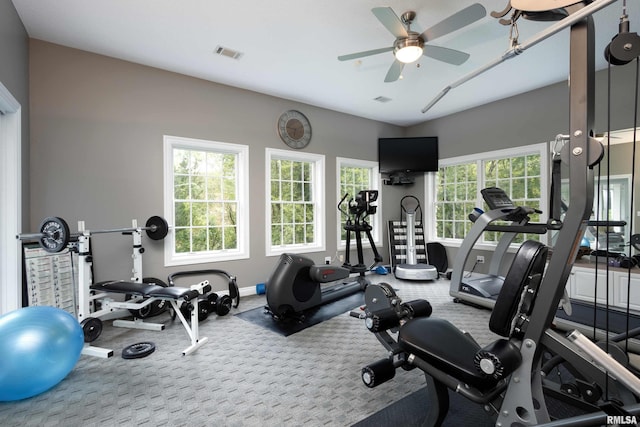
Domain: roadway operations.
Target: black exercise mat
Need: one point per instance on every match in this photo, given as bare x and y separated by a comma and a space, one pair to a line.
412, 410
312, 317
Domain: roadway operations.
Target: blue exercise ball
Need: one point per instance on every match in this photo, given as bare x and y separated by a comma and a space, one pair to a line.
39, 346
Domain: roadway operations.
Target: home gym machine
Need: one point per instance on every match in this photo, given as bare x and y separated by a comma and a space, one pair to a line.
520, 379
479, 288
404, 246
294, 286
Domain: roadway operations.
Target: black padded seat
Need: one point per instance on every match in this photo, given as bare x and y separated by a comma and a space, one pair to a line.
146, 290
174, 292
438, 342
527, 265
120, 286
444, 346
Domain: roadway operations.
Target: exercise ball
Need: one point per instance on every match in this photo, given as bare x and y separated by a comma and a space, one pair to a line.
585, 243
39, 346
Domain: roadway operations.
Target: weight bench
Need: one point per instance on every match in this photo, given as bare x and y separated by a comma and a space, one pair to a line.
147, 293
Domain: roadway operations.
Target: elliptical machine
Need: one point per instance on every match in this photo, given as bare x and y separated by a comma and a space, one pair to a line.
294, 286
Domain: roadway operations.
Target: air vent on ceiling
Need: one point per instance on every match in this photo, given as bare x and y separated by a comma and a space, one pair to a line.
382, 99
230, 53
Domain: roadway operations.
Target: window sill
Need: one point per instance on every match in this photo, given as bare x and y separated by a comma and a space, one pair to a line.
478, 246
277, 251
188, 259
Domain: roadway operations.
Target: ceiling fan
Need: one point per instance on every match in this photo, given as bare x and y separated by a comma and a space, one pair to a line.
409, 45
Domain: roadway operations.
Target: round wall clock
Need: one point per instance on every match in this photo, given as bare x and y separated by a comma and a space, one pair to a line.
294, 129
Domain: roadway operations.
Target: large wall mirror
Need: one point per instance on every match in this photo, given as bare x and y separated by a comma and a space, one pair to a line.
613, 194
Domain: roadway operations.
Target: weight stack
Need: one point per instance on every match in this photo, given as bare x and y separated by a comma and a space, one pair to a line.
398, 243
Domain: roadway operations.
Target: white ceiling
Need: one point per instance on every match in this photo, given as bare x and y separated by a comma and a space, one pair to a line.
290, 48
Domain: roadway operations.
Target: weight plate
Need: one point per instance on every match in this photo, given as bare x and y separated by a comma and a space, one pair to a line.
92, 328
54, 234
223, 305
153, 309
157, 228
234, 292
138, 350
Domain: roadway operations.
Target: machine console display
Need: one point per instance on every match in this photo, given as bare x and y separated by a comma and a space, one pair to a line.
496, 198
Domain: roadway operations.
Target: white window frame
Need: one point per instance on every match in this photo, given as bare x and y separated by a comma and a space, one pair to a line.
374, 220
171, 258
430, 191
318, 161
10, 202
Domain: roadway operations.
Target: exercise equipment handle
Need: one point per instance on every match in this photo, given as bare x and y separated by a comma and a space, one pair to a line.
234, 292
341, 202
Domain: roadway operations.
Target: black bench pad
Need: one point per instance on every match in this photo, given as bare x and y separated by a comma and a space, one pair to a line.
441, 344
174, 292
145, 289
121, 286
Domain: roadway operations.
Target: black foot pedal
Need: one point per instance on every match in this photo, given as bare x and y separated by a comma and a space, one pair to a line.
379, 372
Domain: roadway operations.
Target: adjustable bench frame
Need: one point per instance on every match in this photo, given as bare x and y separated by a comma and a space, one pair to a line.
147, 294
142, 296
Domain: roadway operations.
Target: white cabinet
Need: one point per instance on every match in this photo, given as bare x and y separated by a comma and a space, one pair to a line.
583, 284
622, 289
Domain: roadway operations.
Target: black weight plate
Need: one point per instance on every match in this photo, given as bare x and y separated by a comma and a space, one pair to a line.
234, 292
203, 310
55, 234
138, 350
157, 228
223, 305
92, 328
153, 309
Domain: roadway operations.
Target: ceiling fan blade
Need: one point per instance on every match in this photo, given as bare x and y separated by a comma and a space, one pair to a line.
394, 71
390, 20
365, 53
458, 20
450, 56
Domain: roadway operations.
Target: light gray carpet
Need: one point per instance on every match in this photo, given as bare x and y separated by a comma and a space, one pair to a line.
244, 376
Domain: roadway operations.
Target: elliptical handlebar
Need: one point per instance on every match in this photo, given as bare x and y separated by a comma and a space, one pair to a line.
340, 204
361, 206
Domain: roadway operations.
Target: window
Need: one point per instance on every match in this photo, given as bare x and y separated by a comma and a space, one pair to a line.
206, 200
354, 176
295, 203
521, 173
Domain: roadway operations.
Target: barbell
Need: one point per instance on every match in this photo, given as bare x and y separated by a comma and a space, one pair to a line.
54, 233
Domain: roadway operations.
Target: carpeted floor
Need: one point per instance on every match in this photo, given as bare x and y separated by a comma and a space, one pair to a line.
245, 375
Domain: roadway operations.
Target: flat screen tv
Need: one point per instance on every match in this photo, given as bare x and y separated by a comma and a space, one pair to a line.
407, 155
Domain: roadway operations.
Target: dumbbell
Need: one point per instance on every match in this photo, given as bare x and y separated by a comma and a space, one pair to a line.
221, 305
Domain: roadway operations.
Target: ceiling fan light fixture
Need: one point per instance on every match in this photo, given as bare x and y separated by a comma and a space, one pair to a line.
408, 50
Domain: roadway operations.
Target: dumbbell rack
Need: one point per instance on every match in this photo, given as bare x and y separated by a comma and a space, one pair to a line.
398, 243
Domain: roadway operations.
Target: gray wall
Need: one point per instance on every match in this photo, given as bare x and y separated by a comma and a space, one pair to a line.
14, 75
530, 118
96, 149
96, 144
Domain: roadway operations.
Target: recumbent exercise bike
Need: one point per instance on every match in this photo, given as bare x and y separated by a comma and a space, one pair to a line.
294, 286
